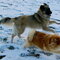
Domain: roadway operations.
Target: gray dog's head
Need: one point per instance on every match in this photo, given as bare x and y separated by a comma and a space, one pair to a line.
44, 10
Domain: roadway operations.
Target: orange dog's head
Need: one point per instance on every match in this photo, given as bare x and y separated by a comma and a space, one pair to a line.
44, 41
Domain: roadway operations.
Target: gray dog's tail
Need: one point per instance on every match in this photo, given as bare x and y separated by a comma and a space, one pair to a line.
5, 20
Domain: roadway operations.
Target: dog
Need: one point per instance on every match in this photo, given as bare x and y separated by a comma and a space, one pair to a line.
40, 19
44, 41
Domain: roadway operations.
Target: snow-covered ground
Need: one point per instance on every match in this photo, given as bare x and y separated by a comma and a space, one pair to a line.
13, 8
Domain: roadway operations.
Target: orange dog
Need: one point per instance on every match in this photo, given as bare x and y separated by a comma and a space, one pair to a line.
46, 42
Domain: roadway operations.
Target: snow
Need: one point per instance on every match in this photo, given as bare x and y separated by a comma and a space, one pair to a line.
14, 8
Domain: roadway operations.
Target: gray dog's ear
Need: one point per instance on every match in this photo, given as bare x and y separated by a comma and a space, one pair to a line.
45, 4
42, 8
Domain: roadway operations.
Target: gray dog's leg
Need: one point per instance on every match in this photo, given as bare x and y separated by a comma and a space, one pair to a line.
48, 29
12, 38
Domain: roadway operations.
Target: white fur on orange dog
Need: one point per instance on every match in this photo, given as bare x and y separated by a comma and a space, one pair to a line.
46, 42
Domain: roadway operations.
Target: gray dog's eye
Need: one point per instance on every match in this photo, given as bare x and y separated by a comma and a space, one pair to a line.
48, 9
